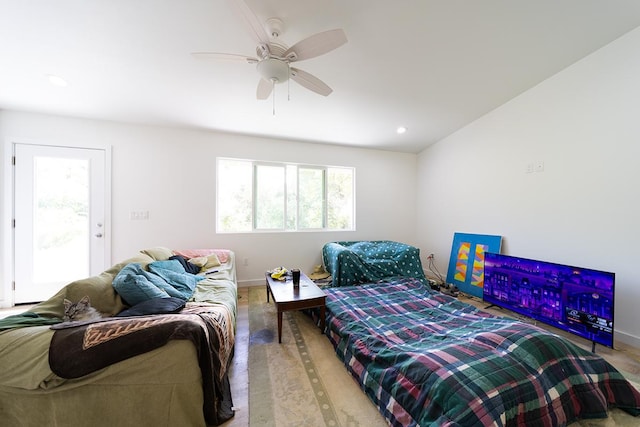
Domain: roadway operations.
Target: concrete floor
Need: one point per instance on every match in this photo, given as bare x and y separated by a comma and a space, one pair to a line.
239, 371
624, 357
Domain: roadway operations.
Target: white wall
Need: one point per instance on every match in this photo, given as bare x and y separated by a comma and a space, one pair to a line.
583, 209
171, 173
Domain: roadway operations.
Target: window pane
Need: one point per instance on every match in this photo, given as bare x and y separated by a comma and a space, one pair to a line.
276, 196
292, 197
61, 219
234, 196
340, 199
270, 197
310, 198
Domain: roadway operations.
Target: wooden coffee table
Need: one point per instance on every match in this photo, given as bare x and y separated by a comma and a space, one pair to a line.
308, 295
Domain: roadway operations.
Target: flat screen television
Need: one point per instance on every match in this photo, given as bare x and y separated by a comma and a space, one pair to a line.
574, 299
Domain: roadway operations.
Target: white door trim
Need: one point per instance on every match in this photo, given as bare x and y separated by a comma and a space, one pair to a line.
6, 229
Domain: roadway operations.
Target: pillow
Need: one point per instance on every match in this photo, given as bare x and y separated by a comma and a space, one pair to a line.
140, 258
200, 261
159, 253
102, 294
206, 262
154, 306
223, 254
194, 253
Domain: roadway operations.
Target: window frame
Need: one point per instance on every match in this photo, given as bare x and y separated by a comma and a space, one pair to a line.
254, 196
324, 198
255, 164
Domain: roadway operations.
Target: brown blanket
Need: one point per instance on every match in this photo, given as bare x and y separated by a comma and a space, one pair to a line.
80, 348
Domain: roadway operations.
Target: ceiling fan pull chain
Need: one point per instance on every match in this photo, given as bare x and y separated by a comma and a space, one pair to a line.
273, 91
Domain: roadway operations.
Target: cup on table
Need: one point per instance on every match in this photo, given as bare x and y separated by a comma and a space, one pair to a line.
295, 275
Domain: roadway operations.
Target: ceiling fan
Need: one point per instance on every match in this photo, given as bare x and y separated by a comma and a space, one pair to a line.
273, 59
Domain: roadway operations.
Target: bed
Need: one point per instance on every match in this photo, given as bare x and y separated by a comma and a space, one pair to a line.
428, 359
149, 366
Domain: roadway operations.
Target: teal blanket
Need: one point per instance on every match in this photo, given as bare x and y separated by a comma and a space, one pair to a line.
27, 318
164, 279
354, 262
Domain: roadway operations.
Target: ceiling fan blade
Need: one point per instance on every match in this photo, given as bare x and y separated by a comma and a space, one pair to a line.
310, 81
224, 57
316, 45
264, 89
251, 21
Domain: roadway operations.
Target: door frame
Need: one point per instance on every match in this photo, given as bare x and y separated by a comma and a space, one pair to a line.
7, 231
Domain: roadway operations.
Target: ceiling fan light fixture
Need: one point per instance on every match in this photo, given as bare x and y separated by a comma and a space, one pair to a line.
401, 129
273, 70
273, 57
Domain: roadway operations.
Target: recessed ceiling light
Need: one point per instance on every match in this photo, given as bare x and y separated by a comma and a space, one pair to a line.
57, 80
401, 130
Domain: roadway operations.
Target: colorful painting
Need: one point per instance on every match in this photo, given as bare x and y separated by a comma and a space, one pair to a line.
466, 264
462, 261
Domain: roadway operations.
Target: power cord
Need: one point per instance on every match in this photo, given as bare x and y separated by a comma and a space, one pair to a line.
434, 270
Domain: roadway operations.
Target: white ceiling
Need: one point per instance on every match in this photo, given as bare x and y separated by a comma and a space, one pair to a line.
430, 65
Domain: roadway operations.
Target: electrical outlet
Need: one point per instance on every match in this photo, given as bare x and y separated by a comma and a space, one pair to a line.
529, 168
139, 215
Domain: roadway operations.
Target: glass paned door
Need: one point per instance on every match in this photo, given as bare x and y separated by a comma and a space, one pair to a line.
59, 218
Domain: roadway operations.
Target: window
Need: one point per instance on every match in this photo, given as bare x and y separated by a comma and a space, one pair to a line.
266, 196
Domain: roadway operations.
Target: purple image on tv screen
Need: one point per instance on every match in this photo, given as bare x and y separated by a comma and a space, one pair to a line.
575, 299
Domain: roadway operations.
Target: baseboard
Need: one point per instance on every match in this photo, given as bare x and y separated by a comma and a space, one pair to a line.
626, 338
251, 282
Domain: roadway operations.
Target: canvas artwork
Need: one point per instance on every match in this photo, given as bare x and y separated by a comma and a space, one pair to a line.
466, 263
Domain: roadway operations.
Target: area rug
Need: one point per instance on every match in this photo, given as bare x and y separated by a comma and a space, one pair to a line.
301, 382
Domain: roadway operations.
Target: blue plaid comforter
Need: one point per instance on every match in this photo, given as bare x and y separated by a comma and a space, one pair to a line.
426, 359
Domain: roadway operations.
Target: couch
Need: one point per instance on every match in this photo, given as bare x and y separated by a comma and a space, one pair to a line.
147, 368
354, 262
